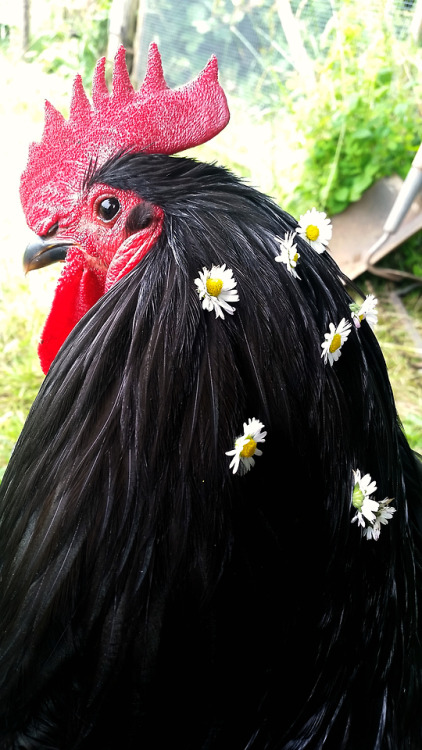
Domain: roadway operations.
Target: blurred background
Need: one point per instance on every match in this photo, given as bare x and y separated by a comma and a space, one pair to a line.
326, 103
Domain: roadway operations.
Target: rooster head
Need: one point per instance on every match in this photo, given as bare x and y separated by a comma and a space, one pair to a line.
102, 233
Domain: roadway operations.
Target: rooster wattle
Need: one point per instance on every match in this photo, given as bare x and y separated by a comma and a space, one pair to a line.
150, 597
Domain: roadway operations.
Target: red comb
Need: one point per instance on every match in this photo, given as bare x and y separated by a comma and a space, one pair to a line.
155, 119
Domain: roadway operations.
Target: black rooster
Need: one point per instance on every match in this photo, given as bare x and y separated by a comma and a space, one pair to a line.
150, 597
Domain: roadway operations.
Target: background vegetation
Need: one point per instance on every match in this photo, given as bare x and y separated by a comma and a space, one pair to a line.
311, 126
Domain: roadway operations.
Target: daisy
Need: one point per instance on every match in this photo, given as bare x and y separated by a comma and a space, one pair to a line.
289, 255
371, 515
367, 511
315, 228
334, 340
216, 288
361, 500
245, 446
363, 487
365, 311
382, 517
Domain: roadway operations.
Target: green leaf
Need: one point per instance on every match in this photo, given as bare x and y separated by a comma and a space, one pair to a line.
342, 195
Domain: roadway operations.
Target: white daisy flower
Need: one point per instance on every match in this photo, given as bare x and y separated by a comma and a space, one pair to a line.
371, 515
363, 487
361, 500
382, 517
289, 255
367, 511
367, 310
315, 228
216, 288
245, 446
334, 340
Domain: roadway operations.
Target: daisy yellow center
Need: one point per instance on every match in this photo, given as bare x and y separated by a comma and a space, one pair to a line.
361, 317
249, 448
312, 232
214, 287
336, 343
295, 257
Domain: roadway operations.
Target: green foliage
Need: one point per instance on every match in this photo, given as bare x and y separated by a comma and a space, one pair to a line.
20, 374
360, 121
399, 333
80, 40
412, 427
408, 257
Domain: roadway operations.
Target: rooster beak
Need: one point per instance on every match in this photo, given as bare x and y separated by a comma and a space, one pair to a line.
42, 253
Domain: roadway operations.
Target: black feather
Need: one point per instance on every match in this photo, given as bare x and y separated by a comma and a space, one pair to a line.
149, 597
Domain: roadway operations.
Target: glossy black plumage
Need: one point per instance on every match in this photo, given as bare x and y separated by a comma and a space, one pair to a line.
151, 599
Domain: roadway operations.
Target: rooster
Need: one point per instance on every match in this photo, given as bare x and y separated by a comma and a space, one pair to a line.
167, 580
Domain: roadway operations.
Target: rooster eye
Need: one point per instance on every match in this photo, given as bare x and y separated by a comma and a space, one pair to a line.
108, 208
52, 231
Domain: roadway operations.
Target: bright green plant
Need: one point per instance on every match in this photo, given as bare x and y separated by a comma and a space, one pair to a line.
80, 40
20, 373
360, 121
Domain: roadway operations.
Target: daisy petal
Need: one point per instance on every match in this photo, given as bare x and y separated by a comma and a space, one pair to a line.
245, 446
316, 228
216, 288
334, 340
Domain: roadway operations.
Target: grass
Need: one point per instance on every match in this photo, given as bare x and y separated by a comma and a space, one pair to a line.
398, 332
23, 307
